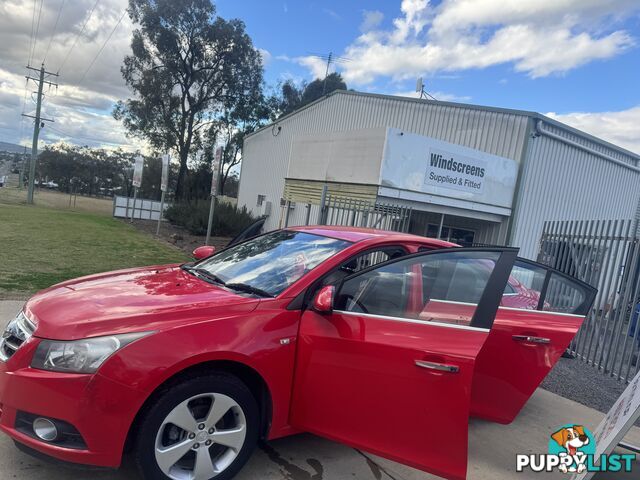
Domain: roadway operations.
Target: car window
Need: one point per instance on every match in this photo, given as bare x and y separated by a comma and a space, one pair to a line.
529, 281
363, 260
524, 286
382, 291
272, 262
563, 295
446, 279
455, 279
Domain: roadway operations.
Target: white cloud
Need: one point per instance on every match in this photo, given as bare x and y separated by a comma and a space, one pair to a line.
371, 19
619, 128
537, 37
332, 13
266, 56
316, 65
82, 104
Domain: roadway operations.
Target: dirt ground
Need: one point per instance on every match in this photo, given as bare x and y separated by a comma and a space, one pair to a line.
178, 236
58, 200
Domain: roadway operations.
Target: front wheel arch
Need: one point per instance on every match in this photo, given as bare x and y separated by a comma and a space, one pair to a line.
250, 377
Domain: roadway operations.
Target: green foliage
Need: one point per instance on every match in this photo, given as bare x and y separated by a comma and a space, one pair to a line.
98, 172
194, 216
292, 97
187, 68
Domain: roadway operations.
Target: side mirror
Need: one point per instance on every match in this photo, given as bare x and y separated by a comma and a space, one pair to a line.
323, 301
203, 252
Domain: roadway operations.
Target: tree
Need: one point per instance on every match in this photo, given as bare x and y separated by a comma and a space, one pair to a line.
292, 97
246, 117
187, 68
315, 89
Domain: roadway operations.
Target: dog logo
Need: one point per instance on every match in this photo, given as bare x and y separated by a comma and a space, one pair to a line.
574, 440
572, 451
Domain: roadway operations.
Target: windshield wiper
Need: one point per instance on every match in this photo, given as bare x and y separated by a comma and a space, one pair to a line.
243, 287
201, 272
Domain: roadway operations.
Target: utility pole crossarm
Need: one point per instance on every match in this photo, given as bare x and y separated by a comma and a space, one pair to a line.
40, 69
53, 84
41, 118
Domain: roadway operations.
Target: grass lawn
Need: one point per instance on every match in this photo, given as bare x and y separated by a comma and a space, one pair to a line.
40, 246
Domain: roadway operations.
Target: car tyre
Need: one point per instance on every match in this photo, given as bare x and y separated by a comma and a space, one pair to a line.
214, 441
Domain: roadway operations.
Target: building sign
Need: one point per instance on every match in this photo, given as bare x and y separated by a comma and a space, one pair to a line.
215, 169
164, 182
452, 170
137, 171
430, 166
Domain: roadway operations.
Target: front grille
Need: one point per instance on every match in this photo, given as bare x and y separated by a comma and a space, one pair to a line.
18, 331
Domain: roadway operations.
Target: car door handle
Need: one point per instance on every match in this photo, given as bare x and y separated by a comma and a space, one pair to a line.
531, 339
440, 367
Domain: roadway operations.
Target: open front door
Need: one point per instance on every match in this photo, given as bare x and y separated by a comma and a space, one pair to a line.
541, 311
390, 369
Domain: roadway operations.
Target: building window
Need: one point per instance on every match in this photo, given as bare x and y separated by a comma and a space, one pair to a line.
461, 236
261, 199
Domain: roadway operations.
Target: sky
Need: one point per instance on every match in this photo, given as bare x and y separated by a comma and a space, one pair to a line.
577, 61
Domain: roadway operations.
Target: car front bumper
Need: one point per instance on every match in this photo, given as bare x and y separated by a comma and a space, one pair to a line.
100, 409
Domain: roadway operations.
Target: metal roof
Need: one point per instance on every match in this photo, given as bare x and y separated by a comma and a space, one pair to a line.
525, 113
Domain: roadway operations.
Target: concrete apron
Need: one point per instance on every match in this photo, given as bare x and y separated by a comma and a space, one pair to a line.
492, 449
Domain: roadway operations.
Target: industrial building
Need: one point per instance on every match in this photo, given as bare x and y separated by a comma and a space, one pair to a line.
467, 173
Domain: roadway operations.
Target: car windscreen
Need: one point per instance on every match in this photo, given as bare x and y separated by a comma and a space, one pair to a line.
271, 262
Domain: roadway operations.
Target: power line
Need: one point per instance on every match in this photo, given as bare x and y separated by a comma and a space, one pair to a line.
78, 35
53, 32
33, 27
102, 48
35, 38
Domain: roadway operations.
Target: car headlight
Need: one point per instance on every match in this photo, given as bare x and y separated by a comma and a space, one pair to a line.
80, 356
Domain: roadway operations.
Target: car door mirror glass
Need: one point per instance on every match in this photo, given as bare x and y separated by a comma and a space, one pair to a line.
323, 301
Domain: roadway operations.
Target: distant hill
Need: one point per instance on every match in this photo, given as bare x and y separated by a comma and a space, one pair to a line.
12, 148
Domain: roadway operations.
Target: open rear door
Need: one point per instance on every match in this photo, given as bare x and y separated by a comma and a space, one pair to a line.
540, 313
380, 374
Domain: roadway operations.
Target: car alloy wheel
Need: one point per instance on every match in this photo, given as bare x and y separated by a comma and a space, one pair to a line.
200, 437
197, 427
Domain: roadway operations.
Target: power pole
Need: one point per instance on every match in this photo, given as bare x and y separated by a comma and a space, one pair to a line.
37, 124
23, 163
326, 74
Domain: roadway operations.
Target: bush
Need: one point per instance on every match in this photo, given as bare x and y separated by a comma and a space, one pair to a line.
194, 216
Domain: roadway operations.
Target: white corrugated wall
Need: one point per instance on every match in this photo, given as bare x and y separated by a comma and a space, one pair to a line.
266, 156
563, 182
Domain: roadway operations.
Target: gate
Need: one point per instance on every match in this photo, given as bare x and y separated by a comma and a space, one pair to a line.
354, 212
605, 254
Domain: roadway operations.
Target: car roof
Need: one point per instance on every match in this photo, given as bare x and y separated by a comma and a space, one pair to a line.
357, 234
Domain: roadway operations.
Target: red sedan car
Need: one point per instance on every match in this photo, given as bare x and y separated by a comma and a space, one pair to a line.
384, 341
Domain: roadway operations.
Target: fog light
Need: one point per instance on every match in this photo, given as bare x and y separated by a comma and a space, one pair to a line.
45, 429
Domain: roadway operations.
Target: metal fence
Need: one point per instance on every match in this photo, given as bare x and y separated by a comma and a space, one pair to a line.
605, 254
125, 207
346, 211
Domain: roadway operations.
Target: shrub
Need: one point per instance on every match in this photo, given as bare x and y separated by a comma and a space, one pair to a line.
194, 216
